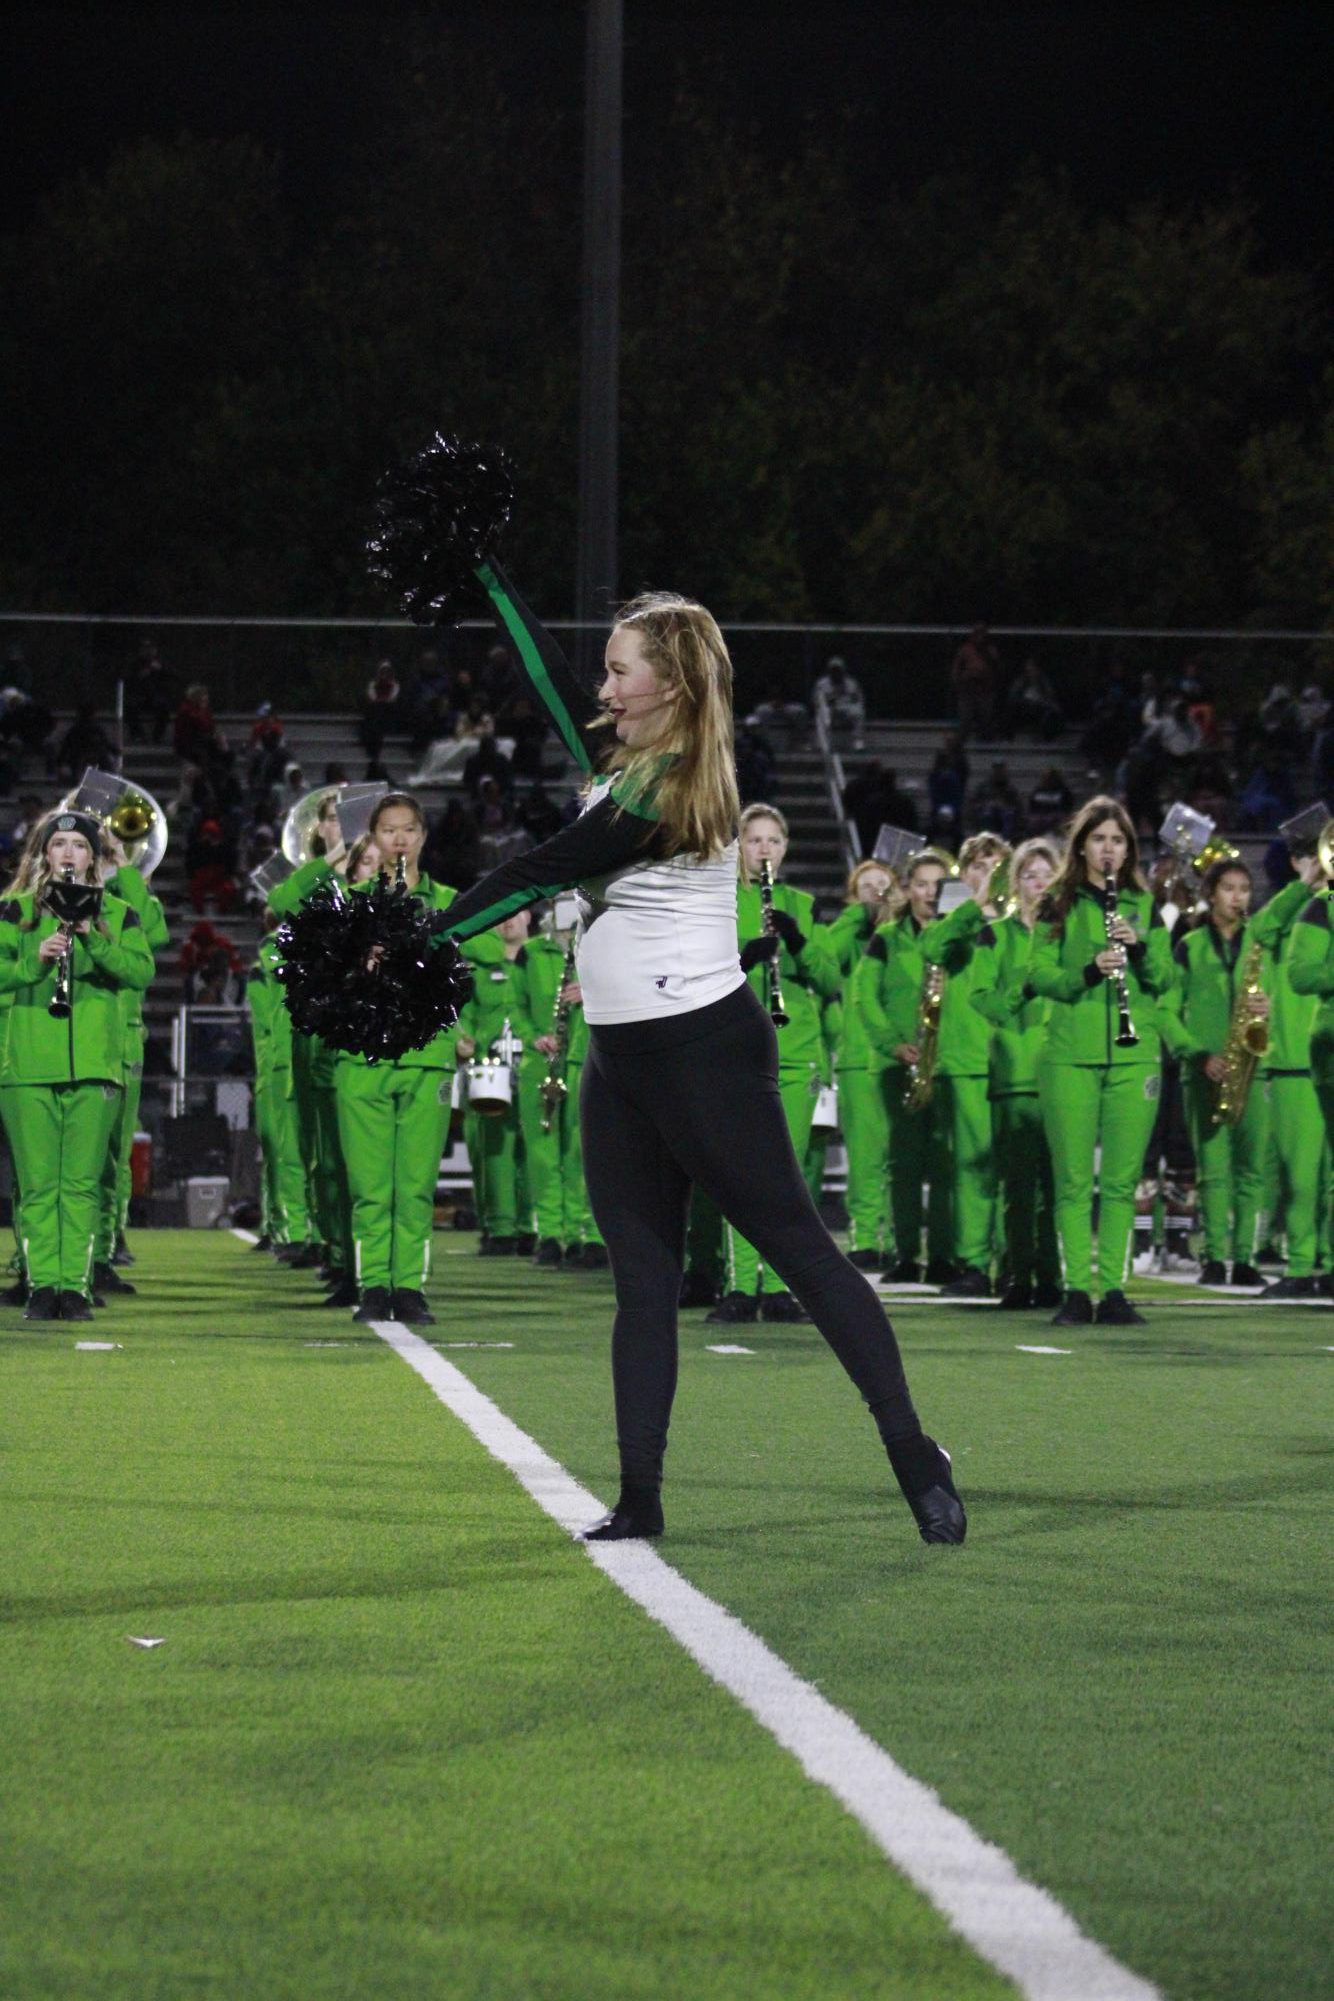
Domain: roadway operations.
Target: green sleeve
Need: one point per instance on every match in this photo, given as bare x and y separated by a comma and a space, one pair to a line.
126, 959
868, 998
996, 999
1310, 960
19, 964
1156, 970
1171, 1012
131, 888
947, 941
1046, 975
1270, 926
288, 895
818, 963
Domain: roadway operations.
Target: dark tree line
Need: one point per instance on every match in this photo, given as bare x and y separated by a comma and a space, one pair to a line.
973, 399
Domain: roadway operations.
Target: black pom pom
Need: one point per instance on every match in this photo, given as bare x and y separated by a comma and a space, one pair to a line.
437, 516
415, 988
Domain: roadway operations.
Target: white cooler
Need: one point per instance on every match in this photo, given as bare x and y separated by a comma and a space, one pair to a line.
206, 1200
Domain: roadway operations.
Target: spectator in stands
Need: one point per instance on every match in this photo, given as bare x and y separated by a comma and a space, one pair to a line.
210, 863
1211, 792
487, 761
837, 701
1050, 803
975, 679
452, 851
31, 810
538, 814
944, 829
756, 766
1313, 712
336, 773
260, 845
1113, 726
1267, 797
1150, 701
1322, 762
1032, 705
527, 728
25, 726
1173, 739
499, 680
779, 719
995, 805
147, 696
874, 799
194, 734
947, 780
209, 959
379, 710
266, 762
85, 742
468, 704
429, 714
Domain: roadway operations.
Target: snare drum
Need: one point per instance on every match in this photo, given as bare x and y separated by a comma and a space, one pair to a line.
490, 1087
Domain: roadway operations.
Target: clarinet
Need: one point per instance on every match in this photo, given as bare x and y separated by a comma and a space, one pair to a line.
61, 1002
1126, 1037
777, 1012
553, 1086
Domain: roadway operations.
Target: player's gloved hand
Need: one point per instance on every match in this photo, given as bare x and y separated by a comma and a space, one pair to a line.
786, 928
757, 951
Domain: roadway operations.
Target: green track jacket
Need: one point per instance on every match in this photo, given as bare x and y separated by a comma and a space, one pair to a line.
952, 941
1292, 1014
1310, 965
498, 993
1002, 996
807, 981
1196, 1015
1060, 968
90, 1044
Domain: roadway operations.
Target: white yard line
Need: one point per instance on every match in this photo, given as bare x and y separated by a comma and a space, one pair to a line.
1015, 1926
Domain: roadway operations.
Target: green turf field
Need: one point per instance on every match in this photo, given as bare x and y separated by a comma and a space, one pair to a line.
402, 1738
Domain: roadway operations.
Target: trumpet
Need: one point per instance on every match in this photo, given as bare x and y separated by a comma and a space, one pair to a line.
553, 1087
778, 1013
70, 903
1126, 1037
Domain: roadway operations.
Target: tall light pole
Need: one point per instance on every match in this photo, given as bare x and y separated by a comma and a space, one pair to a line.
599, 390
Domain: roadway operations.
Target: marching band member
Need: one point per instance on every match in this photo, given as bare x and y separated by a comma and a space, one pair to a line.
555, 1045
1096, 1085
393, 1119
492, 1137
681, 1082
1217, 999
62, 1075
860, 1071
1297, 1129
962, 1070
1002, 996
779, 943
284, 1215
1311, 972
124, 880
888, 989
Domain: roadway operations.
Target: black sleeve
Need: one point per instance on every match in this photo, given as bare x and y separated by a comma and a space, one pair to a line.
605, 838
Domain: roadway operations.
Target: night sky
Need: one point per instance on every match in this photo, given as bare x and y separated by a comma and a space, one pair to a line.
1133, 101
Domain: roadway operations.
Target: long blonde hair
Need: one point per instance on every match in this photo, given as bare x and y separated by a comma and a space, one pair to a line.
695, 795
33, 872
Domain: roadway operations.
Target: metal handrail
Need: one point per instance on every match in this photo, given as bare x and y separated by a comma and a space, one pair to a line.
835, 780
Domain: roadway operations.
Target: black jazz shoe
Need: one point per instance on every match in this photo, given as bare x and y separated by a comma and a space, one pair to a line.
905, 1271
377, 1303
970, 1284
734, 1308
107, 1279
866, 1260
1245, 1275
44, 1304
1046, 1294
1076, 1311
922, 1469
548, 1254
781, 1306
411, 1308
636, 1517
343, 1292
1213, 1272
1016, 1298
1115, 1310
73, 1306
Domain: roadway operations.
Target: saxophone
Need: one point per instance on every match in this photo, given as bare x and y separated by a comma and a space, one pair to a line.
1247, 1041
553, 1087
921, 1079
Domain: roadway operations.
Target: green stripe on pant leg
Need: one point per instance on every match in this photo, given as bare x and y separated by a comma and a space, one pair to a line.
865, 1127
1299, 1139
1129, 1110
422, 1098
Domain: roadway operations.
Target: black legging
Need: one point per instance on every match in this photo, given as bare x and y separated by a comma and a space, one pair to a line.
694, 1098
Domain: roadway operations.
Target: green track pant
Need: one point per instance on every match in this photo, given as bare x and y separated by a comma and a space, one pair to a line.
276, 1120
493, 1153
554, 1161
965, 1117
798, 1090
114, 1201
59, 1135
865, 1127
1298, 1130
1027, 1196
314, 1070
918, 1158
1087, 1106
1229, 1169
392, 1122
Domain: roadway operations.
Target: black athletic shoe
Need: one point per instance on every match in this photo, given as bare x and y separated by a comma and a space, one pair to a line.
1213, 1272
548, 1254
377, 1303
941, 1271
906, 1271
94, 1299
292, 1255
1076, 1311
110, 1280
1245, 1275
264, 1243
1115, 1310
1046, 1293
309, 1257
595, 1258
636, 1517
697, 1289
497, 1247
73, 1306
1292, 1288
573, 1259
733, 1308
866, 1260
412, 1310
345, 1293
970, 1284
526, 1243
922, 1469
1016, 1299
44, 1304
122, 1255
17, 1294
781, 1306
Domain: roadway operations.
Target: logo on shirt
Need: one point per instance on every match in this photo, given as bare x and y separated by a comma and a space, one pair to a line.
660, 984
